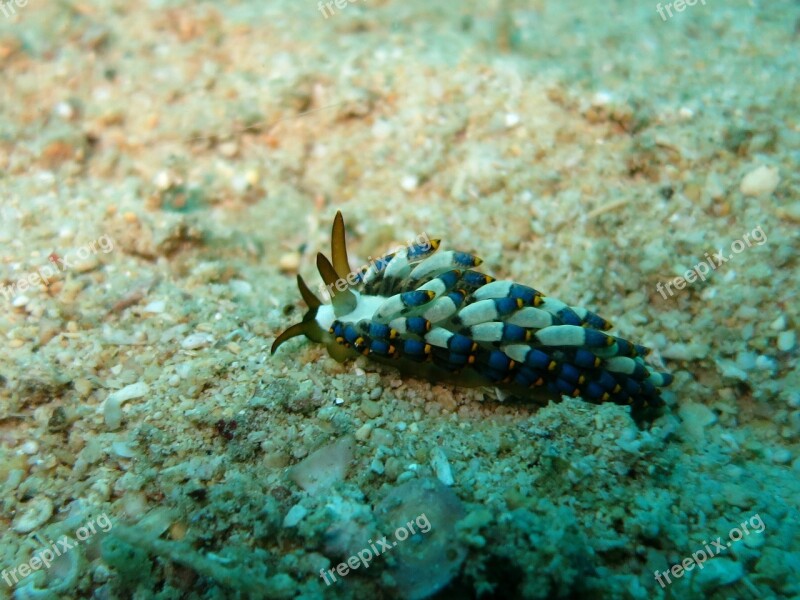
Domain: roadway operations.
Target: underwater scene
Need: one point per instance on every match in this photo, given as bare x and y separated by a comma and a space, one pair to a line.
399, 299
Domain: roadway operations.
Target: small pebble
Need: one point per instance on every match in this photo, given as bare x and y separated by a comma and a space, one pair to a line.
778, 324
441, 466
371, 409
362, 433
156, 307
755, 540
376, 466
786, 340
790, 211
240, 287
760, 182
122, 449
82, 386
766, 363
197, 340
228, 149
64, 110
87, 264
696, 417
324, 467
30, 447
719, 572
409, 183
781, 456
295, 515
162, 180
381, 437
289, 262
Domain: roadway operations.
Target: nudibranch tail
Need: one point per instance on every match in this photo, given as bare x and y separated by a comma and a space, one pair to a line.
432, 314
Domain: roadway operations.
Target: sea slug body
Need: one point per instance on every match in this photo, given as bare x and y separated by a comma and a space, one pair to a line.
432, 314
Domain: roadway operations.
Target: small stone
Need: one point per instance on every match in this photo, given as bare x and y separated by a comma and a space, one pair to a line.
370, 408
429, 560
362, 433
512, 120
30, 447
156, 307
394, 467
122, 449
441, 466
295, 515
101, 574
382, 129
781, 456
778, 324
760, 182
240, 287
409, 183
766, 363
162, 180
790, 211
794, 422
696, 417
289, 262
376, 466
228, 149
197, 340
719, 572
381, 437
83, 387
324, 467
729, 369
755, 540
64, 110
682, 351
746, 360
786, 340
85, 265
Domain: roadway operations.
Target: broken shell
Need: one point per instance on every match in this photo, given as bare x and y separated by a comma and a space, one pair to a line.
37, 512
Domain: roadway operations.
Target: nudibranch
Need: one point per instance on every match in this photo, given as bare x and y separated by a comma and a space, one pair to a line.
432, 314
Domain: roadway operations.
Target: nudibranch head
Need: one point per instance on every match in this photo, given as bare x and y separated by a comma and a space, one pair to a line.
432, 314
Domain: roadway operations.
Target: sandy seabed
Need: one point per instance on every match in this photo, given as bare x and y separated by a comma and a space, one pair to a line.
167, 168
